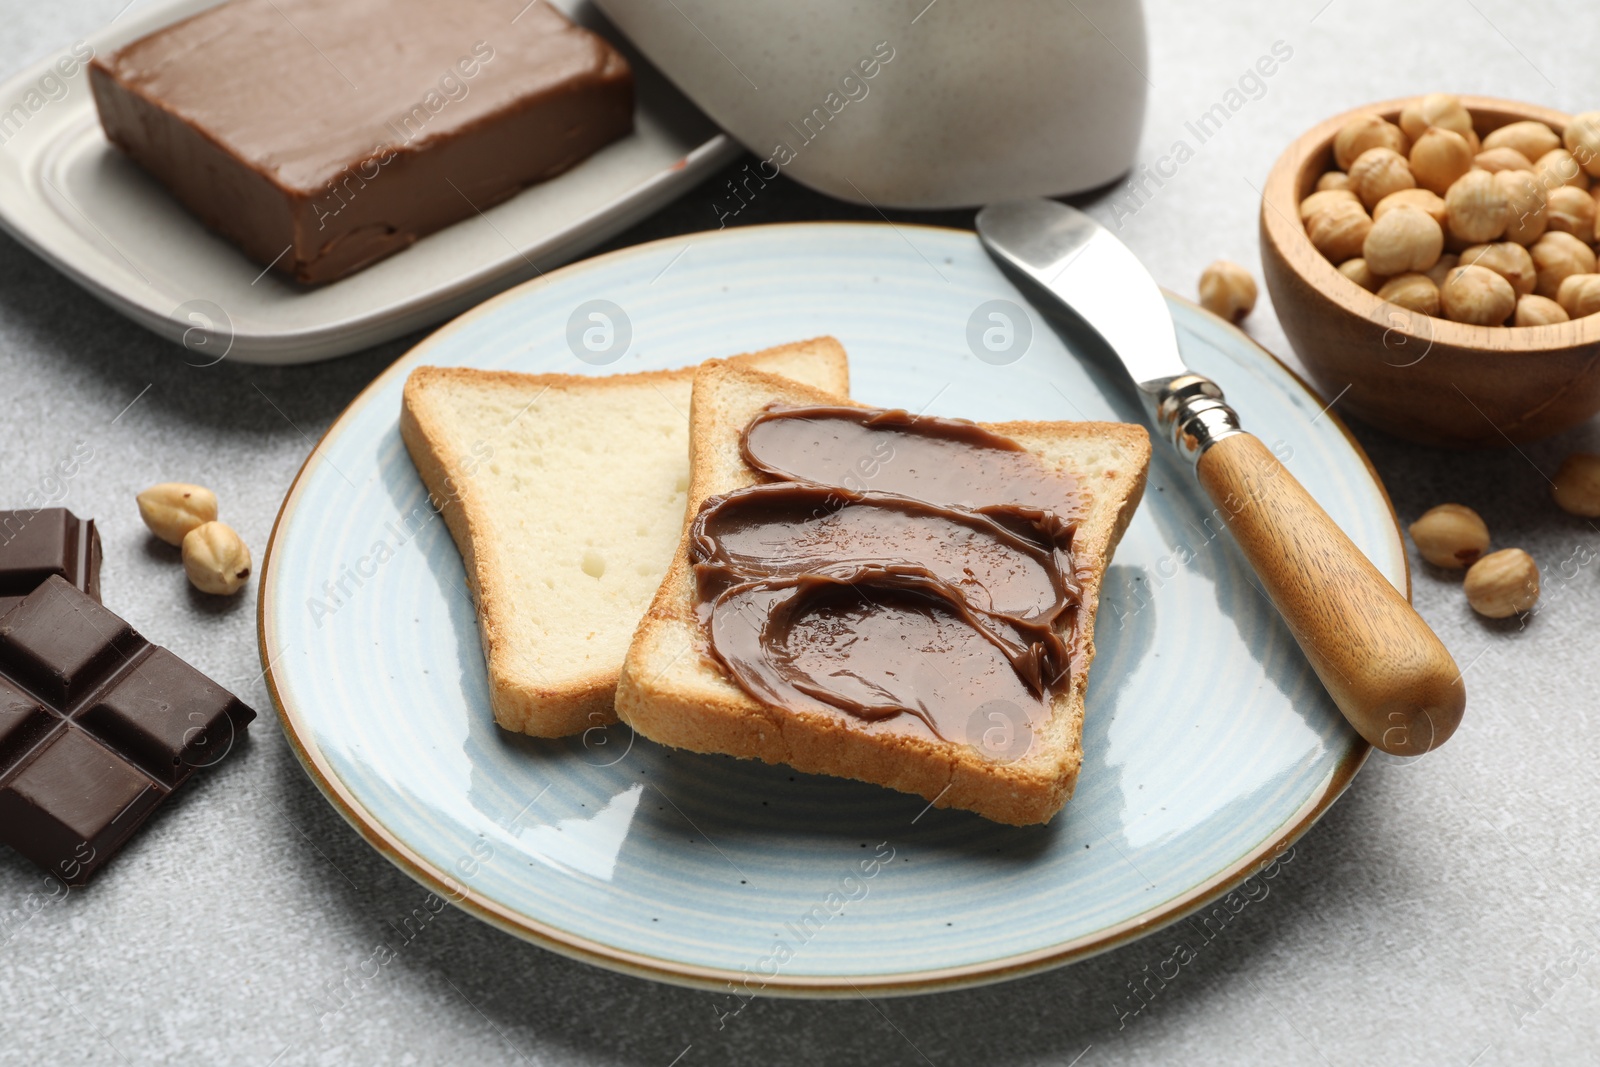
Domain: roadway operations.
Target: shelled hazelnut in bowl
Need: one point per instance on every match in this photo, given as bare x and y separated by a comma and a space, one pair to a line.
1416, 253
1436, 193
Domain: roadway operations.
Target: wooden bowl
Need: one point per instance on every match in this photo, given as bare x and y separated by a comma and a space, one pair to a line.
1422, 378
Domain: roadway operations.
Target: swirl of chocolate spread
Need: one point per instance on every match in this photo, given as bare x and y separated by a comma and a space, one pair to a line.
898, 567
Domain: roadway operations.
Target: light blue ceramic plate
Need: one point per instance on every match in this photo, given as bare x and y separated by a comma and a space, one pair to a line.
1209, 744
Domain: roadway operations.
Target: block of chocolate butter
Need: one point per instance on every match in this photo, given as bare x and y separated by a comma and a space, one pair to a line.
97, 728
38, 543
321, 137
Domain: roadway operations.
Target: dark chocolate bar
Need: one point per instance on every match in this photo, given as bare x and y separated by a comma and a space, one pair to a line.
97, 728
36, 544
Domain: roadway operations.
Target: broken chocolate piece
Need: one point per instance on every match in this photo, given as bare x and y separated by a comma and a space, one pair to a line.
36, 544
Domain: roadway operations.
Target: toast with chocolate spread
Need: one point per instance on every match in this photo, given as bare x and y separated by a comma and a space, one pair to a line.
840, 616
565, 496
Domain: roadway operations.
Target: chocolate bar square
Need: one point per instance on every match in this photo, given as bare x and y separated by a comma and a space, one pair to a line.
322, 137
36, 544
166, 715
97, 728
58, 642
73, 803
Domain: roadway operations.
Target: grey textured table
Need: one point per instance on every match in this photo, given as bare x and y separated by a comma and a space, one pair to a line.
1443, 912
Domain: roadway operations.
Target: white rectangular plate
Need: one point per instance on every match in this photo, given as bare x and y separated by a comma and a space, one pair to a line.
72, 198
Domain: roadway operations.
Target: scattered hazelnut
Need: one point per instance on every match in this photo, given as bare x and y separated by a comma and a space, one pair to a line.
1322, 199
172, 509
1503, 584
1582, 138
1227, 289
1579, 294
1334, 179
1477, 207
1450, 535
1477, 295
1571, 210
1556, 256
1358, 271
215, 559
1339, 230
1530, 137
1406, 239
1557, 168
1377, 172
1427, 201
1414, 292
1511, 261
1443, 110
1577, 485
1538, 311
1526, 204
1495, 160
1364, 132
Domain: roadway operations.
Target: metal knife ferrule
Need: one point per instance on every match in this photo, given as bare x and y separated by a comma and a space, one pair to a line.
1191, 412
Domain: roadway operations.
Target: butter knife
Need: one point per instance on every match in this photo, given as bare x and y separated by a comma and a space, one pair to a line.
1387, 671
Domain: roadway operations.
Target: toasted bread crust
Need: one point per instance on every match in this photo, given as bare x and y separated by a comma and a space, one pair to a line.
521, 700
674, 692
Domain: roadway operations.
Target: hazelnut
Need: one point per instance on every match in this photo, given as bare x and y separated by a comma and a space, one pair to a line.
1430, 202
1358, 271
1377, 172
1582, 138
1226, 289
1571, 210
1322, 199
1526, 201
1577, 485
1339, 230
1495, 160
1556, 256
1477, 295
1529, 137
1438, 158
1334, 179
1579, 295
1557, 168
1443, 110
1511, 261
1538, 311
1450, 535
1406, 239
1414, 292
1364, 132
172, 509
1476, 207
1503, 584
215, 559
1440, 270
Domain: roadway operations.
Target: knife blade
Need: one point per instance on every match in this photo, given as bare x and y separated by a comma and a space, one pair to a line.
1386, 670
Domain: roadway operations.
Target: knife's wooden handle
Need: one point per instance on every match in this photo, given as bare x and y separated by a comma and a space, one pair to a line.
1388, 672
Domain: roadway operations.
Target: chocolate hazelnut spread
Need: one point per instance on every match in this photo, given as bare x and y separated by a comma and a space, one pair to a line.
320, 137
905, 568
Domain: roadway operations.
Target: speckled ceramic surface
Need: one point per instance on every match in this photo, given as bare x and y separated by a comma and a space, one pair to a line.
1209, 744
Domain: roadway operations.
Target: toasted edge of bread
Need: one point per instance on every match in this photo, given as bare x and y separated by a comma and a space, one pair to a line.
520, 700
674, 692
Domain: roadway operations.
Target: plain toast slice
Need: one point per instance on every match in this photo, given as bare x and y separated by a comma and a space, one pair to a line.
565, 495
673, 691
